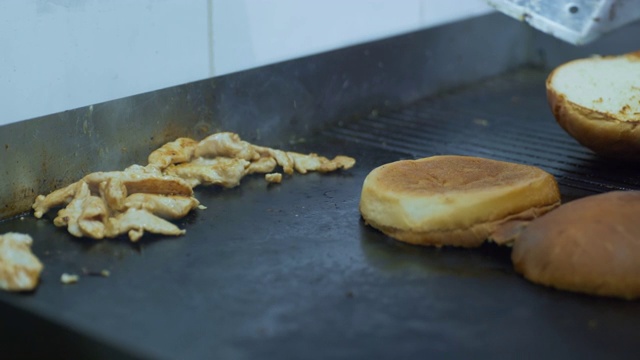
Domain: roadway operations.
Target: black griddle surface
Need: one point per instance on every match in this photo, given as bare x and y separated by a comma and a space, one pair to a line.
291, 271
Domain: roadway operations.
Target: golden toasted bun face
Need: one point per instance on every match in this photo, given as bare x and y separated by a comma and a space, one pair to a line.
590, 245
453, 200
597, 101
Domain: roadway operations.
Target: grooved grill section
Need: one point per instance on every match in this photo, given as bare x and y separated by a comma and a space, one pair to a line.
505, 118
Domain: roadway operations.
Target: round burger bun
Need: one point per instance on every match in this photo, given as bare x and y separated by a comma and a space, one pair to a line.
453, 200
597, 101
590, 245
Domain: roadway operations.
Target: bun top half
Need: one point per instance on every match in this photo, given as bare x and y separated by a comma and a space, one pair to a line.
597, 101
453, 200
590, 245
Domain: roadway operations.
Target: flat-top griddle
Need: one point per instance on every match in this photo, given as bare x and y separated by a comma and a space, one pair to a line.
291, 270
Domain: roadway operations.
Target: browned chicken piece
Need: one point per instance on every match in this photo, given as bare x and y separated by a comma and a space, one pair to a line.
230, 145
19, 268
95, 204
341, 161
273, 178
113, 192
174, 152
313, 162
139, 179
107, 204
93, 217
281, 157
222, 171
165, 206
262, 166
226, 144
72, 211
85, 215
56, 198
135, 222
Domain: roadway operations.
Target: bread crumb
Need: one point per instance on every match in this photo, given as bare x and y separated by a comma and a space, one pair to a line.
69, 278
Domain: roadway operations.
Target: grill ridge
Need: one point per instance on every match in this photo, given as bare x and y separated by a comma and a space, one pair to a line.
482, 120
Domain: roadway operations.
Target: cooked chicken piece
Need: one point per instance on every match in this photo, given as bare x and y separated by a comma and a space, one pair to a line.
274, 178
138, 179
71, 213
229, 145
303, 163
342, 162
313, 162
219, 171
226, 144
85, 215
19, 268
174, 152
165, 206
113, 192
281, 157
57, 198
135, 222
93, 218
107, 204
262, 166
88, 214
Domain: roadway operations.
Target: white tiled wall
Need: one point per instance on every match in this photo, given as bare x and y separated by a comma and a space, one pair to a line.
57, 55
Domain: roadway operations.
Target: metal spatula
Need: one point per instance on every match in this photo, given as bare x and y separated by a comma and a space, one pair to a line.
574, 21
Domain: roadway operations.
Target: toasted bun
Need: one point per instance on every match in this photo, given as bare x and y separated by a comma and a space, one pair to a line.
453, 200
590, 245
597, 101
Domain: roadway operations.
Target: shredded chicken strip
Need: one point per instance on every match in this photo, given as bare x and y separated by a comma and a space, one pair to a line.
174, 152
281, 157
135, 222
223, 148
312, 162
262, 166
226, 144
19, 268
110, 203
93, 217
57, 198
85, 215
165, 206
113, 192
138, 179
303, 163
69, 215
219, 171
88, 215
